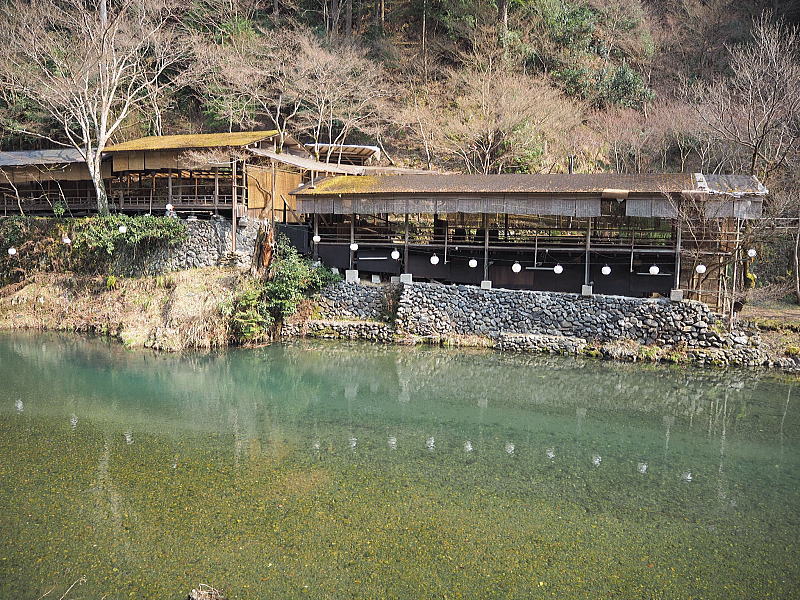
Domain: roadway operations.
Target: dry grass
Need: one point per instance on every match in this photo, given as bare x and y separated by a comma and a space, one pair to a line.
175, 312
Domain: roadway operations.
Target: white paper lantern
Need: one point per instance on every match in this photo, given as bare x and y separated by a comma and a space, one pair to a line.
516, 267
12, 251
123, 229
654, 270
395, 255
558, 269
354, 247
752, 253
700, 269
170, 207
66, 240
316, 239
434, 260
606, 270
472, 263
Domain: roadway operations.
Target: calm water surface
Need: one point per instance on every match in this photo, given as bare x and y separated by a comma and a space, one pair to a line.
331, 470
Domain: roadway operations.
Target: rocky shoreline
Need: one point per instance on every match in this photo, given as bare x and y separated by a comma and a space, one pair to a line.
608, 327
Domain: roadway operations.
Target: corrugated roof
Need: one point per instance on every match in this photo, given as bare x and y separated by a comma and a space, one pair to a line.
55, 156
199, 140
501, 184
734, 185
347, 150
308, 164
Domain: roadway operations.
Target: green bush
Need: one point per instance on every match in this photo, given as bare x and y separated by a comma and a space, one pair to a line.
94, 239
261, 303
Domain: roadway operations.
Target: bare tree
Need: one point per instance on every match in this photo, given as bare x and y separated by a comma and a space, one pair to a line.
501, 120
757, 108
89, 69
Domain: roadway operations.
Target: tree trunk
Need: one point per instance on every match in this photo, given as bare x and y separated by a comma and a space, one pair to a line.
274, 9
380, 13
95, 172
348, 18
797, 262
502, 19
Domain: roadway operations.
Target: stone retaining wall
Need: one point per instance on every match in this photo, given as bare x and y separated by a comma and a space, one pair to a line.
372, 331
356, 301
208, 244
429, 309
611, 327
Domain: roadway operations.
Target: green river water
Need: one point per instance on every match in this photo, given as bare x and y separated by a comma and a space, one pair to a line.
335, 470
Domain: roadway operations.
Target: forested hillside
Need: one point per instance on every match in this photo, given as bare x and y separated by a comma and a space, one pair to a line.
460, 85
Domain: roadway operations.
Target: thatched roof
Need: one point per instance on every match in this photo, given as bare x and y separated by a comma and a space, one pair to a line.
199, 140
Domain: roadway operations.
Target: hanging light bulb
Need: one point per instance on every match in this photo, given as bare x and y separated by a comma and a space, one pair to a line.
66, 240
169, 207
434, 260
752, 253
516, 267
12, 251
654, 270
123, 229
700, 269
354, 247
558, 269
472, 263
316, 239
395, 255
606, 270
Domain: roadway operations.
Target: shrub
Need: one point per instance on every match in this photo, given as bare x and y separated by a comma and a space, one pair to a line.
260, 304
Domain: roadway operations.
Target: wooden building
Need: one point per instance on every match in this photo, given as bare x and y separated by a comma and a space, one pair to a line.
203, 173
614, 234
37, 181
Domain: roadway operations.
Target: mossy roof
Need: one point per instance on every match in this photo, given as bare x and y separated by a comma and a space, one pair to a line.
198, 140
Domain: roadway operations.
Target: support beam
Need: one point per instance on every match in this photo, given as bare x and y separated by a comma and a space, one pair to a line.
316, 233
234, 207
485, 247
678, 244
405, 248
352, 237
587, 251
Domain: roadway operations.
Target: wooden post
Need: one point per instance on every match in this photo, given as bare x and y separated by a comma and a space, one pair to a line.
216, 190
352, 237
169, 186
405, 247
485, 247
735, 272
678, 241
273, 191
316, 233
588, 249
233, 207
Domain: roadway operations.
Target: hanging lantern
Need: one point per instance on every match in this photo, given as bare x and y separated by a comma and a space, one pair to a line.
606, 270
700, 269
654, 270
558, 269
752, 253
516, 267
12, 251
169, 207
395, 255
354, 247
434, 260
66, 240
316, 239
123, 229
472, 263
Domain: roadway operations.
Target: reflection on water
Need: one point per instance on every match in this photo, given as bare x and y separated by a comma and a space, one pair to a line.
312, 468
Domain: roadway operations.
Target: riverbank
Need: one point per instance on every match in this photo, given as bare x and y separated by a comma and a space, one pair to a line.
189, 310
173, 312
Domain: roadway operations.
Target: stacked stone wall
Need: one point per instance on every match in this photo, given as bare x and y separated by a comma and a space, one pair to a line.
345, 300
436, 310
208, 244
